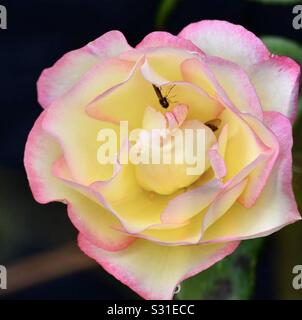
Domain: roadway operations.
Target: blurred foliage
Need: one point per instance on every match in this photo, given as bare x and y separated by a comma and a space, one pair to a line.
277, 1
25, 225
163, 12
284, 47
288, 249
232, 278
288, 240
300, 106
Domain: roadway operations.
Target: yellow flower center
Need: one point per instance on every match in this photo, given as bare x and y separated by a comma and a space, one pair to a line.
174, 150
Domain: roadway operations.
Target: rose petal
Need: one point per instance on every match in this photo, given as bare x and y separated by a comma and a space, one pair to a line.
236, 84
77, 132
258, 177
201, 105
166, 62
131, 98
277, 83
221, 204
164, 39
226, 40
41, 152
224, 80
223, 139
190, 203
217, 162
242, 142
67, 71
122, 196
275, 207
153, 119
186, 233
97, 224
153, 271
88, 215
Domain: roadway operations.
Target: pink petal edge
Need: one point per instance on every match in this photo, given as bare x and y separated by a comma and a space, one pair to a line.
126, 278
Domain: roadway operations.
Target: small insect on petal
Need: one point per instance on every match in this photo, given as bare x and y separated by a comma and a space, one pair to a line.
163, 100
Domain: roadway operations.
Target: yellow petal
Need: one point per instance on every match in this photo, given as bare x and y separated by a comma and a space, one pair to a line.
153, 271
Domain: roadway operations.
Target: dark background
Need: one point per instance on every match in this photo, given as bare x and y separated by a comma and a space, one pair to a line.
40, 32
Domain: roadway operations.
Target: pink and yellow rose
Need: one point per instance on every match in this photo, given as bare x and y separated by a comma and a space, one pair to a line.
152, 226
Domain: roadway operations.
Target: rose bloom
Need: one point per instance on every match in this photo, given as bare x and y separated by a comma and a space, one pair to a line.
152, 225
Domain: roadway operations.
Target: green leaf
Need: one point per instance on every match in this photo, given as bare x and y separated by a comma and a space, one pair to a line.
277, 1
26, 225
299, 109
231, 279
284, 47
164, 10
